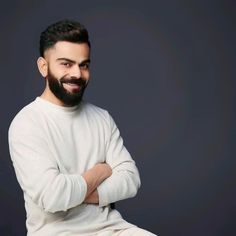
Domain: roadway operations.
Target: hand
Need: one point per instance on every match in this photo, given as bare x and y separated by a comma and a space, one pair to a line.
95, 176
93, 198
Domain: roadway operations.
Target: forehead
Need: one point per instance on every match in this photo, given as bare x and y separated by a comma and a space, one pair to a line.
73, 51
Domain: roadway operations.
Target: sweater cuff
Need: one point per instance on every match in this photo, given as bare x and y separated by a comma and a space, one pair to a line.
103, 196
81, 191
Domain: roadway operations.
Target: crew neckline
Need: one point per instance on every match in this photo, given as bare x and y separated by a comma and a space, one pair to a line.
53, 106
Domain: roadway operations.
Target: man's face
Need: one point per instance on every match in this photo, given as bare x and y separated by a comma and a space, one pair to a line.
68, 71
68, 90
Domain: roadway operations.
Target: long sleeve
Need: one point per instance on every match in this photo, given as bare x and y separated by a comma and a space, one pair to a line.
52, 147
124, 181
38, 174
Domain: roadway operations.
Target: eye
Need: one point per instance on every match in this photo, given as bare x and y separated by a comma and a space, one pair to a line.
66, 64
84, 66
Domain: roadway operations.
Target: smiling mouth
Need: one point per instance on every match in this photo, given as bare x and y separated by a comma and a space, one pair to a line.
71, 86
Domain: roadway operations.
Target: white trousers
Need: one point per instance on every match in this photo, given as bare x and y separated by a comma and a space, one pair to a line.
134, 231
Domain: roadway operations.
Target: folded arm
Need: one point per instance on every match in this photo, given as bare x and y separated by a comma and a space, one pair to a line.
124, 181
40, 178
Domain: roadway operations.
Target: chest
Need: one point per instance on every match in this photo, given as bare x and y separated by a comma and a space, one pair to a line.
76, 144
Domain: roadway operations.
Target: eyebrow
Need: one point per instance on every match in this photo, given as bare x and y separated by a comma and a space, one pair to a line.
72, 61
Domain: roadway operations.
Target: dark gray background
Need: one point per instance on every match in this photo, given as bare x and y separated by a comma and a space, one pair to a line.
165, 70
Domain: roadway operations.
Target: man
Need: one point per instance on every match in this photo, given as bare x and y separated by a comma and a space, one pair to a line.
68, 155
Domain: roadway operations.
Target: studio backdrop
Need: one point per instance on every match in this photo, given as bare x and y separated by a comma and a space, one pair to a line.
165, 70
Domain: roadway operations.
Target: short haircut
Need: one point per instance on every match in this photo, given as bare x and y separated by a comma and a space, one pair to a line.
65, 30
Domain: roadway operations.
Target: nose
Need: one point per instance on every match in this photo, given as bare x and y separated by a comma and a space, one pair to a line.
75, 72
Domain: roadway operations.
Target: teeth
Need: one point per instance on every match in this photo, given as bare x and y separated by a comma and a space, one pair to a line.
71, 86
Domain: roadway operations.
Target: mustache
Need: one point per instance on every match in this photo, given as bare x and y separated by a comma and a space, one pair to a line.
71, 80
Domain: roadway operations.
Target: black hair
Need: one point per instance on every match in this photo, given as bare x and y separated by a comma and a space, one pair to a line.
65, 30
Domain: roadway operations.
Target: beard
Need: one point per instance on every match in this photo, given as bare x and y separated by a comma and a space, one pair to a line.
68, 98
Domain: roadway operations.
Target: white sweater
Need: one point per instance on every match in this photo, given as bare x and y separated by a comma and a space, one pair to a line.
51, 147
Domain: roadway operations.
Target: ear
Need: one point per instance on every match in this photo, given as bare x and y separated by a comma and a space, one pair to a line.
42, 66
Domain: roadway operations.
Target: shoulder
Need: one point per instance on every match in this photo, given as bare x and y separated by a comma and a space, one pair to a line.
101, 115
24, 119
95, 111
